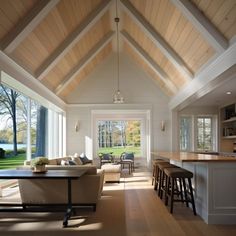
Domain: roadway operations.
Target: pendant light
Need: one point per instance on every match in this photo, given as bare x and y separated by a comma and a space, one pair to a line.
117, 98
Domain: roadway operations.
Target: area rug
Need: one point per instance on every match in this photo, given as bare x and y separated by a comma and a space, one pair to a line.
109, 219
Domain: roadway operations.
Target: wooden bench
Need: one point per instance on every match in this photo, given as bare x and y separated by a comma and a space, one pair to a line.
7, 184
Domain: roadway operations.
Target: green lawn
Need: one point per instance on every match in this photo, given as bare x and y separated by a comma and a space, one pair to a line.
118, 150
12, 162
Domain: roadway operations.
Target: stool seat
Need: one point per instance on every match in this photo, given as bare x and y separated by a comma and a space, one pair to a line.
163, 165
178, 173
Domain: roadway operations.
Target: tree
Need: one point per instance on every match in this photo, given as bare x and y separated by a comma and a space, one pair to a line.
8, 99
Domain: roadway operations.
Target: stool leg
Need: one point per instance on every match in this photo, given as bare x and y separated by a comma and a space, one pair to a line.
185, 192
160, 183
167, 189
153, 175
191, 194
172, 195
157, 178
181, 190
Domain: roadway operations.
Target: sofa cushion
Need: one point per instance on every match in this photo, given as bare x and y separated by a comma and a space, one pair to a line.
77, 160
52, 162
90, 169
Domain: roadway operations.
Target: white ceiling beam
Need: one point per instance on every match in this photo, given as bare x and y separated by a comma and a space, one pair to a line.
84, 61
214, 37
144, 55
72, 39
207, 80
157, 39
25, 26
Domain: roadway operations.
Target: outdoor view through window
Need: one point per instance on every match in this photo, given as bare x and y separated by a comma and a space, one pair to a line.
14, 122
119, 136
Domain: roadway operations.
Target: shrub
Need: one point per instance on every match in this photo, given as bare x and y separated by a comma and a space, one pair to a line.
2, 153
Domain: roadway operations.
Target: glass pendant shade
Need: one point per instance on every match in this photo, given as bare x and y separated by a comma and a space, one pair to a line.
118, 98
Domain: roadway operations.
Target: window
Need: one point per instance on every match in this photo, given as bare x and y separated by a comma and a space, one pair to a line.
198, 133
185, 133
204, 133
26, 124
117, 136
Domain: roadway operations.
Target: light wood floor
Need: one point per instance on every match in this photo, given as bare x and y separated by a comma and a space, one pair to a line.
146, 214
130, 208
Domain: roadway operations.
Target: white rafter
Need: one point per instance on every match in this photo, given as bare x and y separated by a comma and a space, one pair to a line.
84, 61
27, 25
207, 80
203, 24
70, 41
144, 55
157, 39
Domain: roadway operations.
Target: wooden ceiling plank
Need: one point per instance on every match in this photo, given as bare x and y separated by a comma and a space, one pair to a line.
159, 71
84, 61
25, 26
158, 40
70, 41
215, 38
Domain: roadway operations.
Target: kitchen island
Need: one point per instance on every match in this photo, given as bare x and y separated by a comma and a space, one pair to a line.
214, 183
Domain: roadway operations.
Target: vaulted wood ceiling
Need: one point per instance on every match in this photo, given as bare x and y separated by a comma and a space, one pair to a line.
60, 42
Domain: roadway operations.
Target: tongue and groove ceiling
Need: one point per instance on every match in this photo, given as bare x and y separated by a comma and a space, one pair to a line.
60, 42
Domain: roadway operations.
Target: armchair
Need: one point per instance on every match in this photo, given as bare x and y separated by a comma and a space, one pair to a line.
127, 158
106, 158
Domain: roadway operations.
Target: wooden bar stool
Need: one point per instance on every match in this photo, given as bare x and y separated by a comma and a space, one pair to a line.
178, 174
161, 176
155, 171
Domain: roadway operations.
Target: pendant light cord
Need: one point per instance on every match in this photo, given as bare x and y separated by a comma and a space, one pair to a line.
117, 19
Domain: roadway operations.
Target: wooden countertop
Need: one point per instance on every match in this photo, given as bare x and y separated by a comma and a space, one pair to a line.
193, 157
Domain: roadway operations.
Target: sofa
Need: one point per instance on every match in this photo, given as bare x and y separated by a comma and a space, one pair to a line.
86, 191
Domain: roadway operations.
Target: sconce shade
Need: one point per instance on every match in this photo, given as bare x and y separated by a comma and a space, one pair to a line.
77, 126
163, 126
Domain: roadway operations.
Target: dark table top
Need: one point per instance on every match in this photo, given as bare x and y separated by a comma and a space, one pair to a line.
50, 174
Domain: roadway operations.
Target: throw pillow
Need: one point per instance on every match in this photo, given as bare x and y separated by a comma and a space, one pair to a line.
64, 163
84, 159
72, 163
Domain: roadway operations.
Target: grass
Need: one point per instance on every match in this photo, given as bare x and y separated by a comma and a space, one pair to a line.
118, 150
12, 162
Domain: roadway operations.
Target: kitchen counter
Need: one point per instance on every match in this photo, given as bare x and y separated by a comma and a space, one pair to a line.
195, 157
214, 178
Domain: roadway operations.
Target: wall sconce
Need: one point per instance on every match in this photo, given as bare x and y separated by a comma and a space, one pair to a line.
163, 125
77, 126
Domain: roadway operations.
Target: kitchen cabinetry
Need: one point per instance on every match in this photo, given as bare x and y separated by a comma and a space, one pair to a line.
228, 128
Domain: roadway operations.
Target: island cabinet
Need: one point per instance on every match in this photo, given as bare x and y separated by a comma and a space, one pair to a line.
228, 128
214, 178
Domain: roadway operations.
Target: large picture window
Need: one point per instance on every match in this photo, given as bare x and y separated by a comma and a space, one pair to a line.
119, 136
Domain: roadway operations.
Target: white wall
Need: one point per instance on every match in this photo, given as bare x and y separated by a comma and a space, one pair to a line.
96, 92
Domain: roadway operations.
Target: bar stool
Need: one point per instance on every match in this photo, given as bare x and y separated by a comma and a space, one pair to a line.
174, 174
155, 171
161, 176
